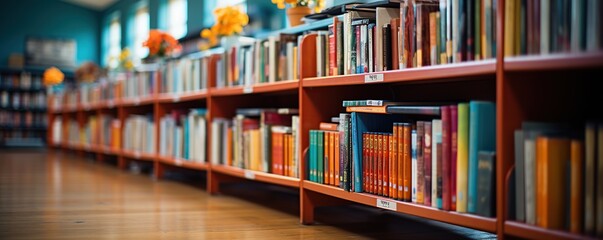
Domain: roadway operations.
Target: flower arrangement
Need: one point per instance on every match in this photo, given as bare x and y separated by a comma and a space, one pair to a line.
125, 62
317, 4
161, 44
53, 76
88, 72
230, 20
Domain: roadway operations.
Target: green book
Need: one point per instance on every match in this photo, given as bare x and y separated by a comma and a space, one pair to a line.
311, 156
320, 156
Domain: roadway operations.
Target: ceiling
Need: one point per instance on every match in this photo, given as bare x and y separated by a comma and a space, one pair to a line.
92, 4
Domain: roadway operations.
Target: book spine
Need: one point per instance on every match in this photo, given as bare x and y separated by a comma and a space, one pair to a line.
427, 161
445, 180
590, 150
379, 163
420, 163
337, 160
339, 48
387, 46
413, 146
366, 152
576, 186
332, 51
407, 161
453, 155
400, 161
436, 138
393, 162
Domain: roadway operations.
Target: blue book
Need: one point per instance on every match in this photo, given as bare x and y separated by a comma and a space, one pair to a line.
320, 156
367, 122
482, 137
186, 136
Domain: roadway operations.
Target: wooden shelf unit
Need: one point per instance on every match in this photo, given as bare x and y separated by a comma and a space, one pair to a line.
561, 80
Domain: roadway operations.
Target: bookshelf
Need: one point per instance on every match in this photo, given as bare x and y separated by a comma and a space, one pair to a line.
554, 88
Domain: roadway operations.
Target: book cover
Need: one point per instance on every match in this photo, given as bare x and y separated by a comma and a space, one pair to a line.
383, 17
337, 159
327, 158
345, 150
599, 200
407, 160
395, 27
482, 137
310, 170
486, 184
552, 154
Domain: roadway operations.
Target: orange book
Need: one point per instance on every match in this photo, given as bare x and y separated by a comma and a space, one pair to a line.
337, 160
373, 159
229, 146
370, 159
285, 154
332, 157
328, 126
380, 138
115, 134
552, 155
385, 162
400, 161
291, 156
576, 185
407, 162
327, 159
393, 162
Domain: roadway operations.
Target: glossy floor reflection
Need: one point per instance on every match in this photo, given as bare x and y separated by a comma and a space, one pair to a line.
55, 195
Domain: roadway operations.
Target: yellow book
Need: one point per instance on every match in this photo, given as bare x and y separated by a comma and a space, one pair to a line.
255, 150
462, 165
509, 28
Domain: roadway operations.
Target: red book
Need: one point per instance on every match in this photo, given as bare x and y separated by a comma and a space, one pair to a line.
453, 151
365, 161
395, 26
427, 160
445, 111
407, 161
326, 126
332, 49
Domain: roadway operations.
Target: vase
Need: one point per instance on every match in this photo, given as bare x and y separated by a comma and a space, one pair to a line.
295, 15
228, 42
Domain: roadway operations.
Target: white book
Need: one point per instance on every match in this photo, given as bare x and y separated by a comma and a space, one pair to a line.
384, 16
436, 133
273, 43
197, 74
178, 142
248, 67
593, 25
320, 58
215, 141
455, 37
192, 147
204, 73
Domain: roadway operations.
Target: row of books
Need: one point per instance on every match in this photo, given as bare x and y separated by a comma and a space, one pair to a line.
139, 84
258, 139
184, 135
438, 156
24, 80
550, 26
259, 61
23, 100
185, 75
23, 119
558, 177
17, 135
139, 134
415, 34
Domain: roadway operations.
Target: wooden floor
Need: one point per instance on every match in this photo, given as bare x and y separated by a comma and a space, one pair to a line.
55, 195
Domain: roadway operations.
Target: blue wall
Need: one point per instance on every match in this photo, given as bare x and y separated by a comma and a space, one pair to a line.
48, 18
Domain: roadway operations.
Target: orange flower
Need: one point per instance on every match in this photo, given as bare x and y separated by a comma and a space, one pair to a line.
229, 20
53, 76
161, 43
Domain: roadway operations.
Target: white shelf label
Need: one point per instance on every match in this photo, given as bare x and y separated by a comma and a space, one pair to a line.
176, 98
110, 103
249, 174
248, 89
136, 101
386, 204
371, 78
137, 155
